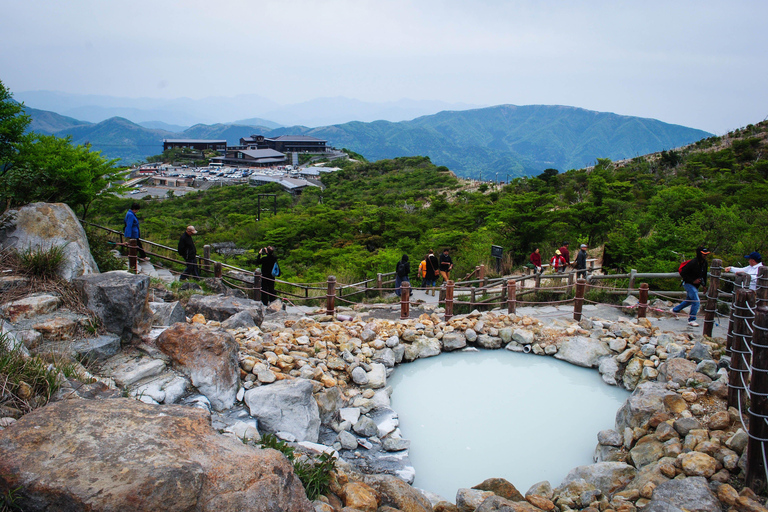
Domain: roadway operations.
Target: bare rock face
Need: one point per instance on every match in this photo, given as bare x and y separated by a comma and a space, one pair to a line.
43, 225
119, 300
121, 454
286, 406
208, 356
221, 307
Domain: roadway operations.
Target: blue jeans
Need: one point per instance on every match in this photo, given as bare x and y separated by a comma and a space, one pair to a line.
398, 281
691, 299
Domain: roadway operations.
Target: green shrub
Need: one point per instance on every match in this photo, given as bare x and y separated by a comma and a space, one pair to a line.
42, 262
28, 382
102, 253
314, 472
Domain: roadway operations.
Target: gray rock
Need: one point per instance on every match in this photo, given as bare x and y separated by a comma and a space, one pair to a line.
607, 477
385, 356
468, 500
395, 444
45, 225
489, 342
690, 494
350, 414
645, 401
220, 307
523, 336
608, 368
348, 441
471, 335
99, 348
399, 351
286, 405
328, 402
119, 300
366, 427
454, 341
617, 344
543, 488
505, 334
708, 367
377, 376
632, 373
238, 320
700, 352
359, 376
582, 351
676, 370
167, 313
610, 437
421, 348
684, 425
392, 341
646, 451
386, 420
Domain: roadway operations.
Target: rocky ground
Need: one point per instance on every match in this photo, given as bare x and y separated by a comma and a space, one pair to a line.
169, 398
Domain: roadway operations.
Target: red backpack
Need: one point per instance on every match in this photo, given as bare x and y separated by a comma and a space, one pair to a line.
682, 265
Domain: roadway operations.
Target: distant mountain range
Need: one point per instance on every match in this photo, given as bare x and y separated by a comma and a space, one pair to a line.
505, 139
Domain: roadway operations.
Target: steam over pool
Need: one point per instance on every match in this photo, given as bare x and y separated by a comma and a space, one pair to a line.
496, 413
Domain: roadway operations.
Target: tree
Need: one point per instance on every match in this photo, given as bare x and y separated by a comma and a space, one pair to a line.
13, 124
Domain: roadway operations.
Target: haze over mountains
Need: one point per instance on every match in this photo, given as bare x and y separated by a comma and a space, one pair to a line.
491, 143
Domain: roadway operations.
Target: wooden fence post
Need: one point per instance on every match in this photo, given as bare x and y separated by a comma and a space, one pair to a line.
762, 286
472, 298
738, 284
581, 285
379, 283
133, 262
570, 281
537, 282
712, 292
642, 307
207, 258
448, 300
632, 277
512, 297
739, 349
483, 279
758, 410
405, 299
217, 270
330, 298
256, 290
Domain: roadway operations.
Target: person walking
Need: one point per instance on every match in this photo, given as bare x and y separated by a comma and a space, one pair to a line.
268, 260
581, 262
446, 265
566, 253
755, 262
422, 272
132, 229
535, 259
402, 270
433, 270
188, 251
693, 274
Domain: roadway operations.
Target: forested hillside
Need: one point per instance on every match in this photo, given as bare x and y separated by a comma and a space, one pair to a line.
645, 210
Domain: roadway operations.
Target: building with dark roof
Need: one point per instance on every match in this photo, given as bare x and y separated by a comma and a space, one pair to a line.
198, 144
251, 158
292, 185
285, 143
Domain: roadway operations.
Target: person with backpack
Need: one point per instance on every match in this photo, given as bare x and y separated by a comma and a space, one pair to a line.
269, 271
433, 270
402, 269
694, 274
132, 229
423, 272
558, 262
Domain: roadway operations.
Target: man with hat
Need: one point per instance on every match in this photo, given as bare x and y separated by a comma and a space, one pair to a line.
694, 274
755, 262
188, 251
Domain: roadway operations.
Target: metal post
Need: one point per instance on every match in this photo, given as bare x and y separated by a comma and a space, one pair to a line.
512, 294
449, 300
207, 258
712, 292
405, 299
758, 410
330, 301
581, 285
256, 290
642, 307
738, 371
133, 262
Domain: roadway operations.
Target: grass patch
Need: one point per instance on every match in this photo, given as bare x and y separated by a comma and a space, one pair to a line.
314, 472
42, 262
102, 253
25, 382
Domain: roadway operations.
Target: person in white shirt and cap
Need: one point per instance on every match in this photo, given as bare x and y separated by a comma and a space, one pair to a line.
755, 262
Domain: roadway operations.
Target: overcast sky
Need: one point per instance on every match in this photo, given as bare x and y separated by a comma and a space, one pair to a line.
702, 63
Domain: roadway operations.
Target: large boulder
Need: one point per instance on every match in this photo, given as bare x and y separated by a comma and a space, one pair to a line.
221, 307
690, 494
609, 477
645, 401
119, 300
583, 351
44, 225
121, 454
167, 313
286, 406
208, 356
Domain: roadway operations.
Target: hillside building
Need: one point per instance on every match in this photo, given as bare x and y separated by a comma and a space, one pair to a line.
285, 143
292, 185
251, 158
198, 144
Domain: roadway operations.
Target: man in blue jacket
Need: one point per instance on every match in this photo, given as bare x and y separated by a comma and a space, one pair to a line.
132, 229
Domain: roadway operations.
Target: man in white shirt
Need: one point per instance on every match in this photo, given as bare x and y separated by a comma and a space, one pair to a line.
755, 262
